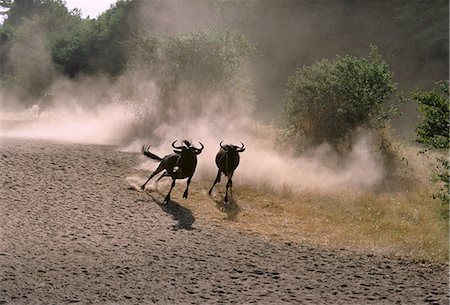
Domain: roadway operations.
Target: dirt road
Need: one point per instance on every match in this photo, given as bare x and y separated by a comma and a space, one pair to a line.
73, 231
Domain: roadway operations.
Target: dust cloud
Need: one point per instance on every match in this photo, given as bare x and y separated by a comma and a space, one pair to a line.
129, 112
93, 111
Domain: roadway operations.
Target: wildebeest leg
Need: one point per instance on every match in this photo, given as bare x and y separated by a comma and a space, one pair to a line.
185, 194
165, 174
229, 185
215, 182
167, 199
156, 172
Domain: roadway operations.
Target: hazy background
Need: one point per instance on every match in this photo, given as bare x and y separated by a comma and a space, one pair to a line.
102, 98
412, 36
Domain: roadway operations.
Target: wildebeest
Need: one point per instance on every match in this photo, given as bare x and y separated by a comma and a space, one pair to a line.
227, 160
179, 165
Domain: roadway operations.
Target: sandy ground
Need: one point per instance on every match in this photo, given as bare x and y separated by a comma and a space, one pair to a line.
74, 231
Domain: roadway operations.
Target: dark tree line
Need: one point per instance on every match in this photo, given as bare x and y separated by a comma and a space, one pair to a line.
411, 35
40, 28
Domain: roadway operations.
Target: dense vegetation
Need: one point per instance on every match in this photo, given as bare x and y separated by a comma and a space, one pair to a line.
330, 99
299, 33
434, 107
42, 39
433, 132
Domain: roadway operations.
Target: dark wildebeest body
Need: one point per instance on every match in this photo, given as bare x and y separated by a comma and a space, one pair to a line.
179, 165
227, 160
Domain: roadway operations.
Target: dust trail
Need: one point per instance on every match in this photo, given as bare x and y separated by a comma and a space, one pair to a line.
101, 115
101, 126
264, 165
133, 109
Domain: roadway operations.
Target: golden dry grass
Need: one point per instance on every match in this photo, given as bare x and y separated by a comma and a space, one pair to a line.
400, 219
402, 223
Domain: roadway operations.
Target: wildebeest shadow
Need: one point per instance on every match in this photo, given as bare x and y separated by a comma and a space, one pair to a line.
231, 208
182, 215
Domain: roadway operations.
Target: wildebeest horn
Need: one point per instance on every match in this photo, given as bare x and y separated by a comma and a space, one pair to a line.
221, 144
176, 147
197, 151
242, 148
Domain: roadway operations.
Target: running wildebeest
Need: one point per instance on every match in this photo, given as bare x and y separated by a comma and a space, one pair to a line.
179, 165
227, 160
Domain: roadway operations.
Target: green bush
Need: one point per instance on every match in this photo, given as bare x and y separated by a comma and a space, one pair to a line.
328, 100
93, 45
70, 52
434, 107
433, 131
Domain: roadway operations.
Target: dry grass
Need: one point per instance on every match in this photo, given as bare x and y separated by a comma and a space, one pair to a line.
403, 223
402, 219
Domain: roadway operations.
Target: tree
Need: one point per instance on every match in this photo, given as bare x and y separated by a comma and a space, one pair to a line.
328, 100
191, 71
96, 45
71, 50
202, 60
433, 132
18, 9
28, 36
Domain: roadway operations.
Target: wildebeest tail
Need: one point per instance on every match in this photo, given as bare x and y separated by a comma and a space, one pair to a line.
145, 151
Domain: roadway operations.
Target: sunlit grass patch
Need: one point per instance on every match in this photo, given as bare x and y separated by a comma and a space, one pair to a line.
393, 223
399, 217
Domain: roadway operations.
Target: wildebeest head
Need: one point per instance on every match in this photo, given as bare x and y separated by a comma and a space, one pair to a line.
232, 148
187, 147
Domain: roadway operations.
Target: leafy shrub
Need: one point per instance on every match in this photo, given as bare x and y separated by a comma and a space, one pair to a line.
70, 52
433, 131
434, 107
328, 100
94, 45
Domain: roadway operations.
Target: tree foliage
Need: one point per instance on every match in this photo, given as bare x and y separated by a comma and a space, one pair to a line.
328, 100
434, 107
89, 46
94, 45
110, 44
72, 45
433, 131
28, 36
204, 60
